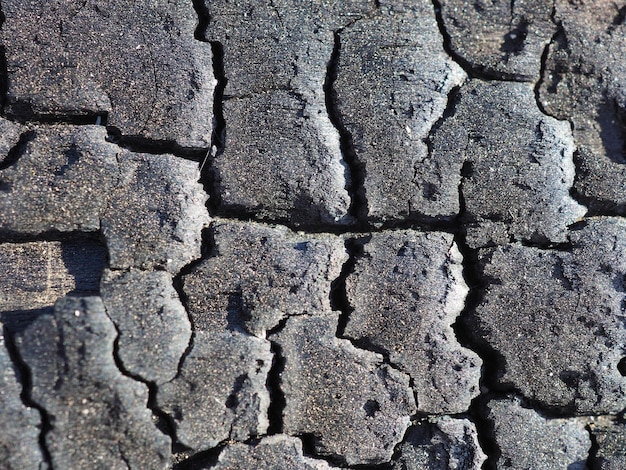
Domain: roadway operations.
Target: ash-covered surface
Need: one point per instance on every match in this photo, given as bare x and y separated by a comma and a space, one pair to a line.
313, 234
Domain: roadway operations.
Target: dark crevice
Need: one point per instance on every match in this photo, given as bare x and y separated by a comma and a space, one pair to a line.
467, 335
550, 246
278, 403
483, 72
310, 442
592, 457
424, 224
485, 429
448, 112
17, 151
339, 300
219, 124
544, 62
24, 377
203, 20
178, 284
355, 170
209, 176
447, 43
133, 143
50, 236
163, 421
465, 328
197, 461
140, 144
275, 412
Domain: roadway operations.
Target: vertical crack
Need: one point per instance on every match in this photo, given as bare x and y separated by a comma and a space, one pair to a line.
208, 175
355, 170
544, 61
203, 20
338, 294
177, 283
218, 140
448, 112
24, 377
340, 303
465, 332
276, 410
592, 457
485, 429
447, 43
162, 421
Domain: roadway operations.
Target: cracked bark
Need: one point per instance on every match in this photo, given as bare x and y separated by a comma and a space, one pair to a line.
471, 271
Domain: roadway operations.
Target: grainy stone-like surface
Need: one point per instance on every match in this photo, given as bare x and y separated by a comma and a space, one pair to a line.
60, 182
257, 275
20, 425
610, 437
41, 272
356, 408
517, 162
156, 213
528, 440
153, 326
501, 39
273, 452
407, 290
441, 444
584, 83
98, 417
393, 78
138, 63
220, 392
556, 318
288, 164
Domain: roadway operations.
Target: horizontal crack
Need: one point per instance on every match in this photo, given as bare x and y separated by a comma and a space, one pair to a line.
29, 117
156, 147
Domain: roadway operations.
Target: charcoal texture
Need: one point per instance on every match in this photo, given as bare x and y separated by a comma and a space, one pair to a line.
313, 234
